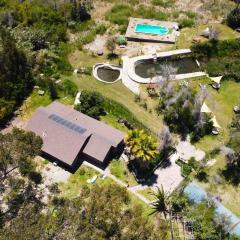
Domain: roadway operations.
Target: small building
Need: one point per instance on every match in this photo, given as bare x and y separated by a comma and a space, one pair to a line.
70, 137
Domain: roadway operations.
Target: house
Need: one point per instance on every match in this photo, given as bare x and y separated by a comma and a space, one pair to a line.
69, 137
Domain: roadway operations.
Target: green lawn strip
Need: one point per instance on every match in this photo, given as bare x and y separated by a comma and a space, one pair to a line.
87, 59
113, 121
119, 169
146, 192
120, 94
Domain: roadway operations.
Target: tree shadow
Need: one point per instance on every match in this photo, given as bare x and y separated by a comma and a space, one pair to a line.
112, 56
142, 175
232, 174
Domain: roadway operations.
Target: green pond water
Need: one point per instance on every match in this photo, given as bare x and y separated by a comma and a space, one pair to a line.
146, 68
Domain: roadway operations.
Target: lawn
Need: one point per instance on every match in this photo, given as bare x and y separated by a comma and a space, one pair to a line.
221, 103
147, 193
187, 34
76, 182
118, 92
34, 101
119, 169
228, 193
113, 121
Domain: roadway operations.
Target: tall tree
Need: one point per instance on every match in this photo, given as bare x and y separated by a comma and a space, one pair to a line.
18, 177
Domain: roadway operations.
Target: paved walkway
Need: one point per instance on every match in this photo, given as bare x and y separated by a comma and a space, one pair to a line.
186, 150
107, 173
169, 177
126, 80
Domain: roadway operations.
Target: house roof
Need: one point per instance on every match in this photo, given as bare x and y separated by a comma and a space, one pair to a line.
66, 132
97, 147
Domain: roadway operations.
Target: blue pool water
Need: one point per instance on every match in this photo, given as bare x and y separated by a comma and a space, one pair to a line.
151, 29
197, 194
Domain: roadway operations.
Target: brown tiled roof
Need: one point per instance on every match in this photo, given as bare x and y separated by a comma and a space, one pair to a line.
65, 141
92, 125
97, 147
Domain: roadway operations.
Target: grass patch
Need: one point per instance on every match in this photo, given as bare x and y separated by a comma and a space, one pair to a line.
119, 169
119, 93
147, 194
221, 103
187, 34
35, 101
228, 193
113, 121
76, 182
32, 103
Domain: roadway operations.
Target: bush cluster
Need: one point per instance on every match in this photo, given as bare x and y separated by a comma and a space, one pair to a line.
220, 57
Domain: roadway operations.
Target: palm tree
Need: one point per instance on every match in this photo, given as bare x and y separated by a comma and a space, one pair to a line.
142, 146
162, 203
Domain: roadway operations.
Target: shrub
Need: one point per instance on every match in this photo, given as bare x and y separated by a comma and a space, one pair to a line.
121, 40
100, 29
119, 14
220, 57
92, 104
190, 14
69, 87
150, 12
233, 19
186, 22
121, 112
163, 3
86, 38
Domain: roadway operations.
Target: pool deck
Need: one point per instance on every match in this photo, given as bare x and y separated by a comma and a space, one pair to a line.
131, 62
168, 38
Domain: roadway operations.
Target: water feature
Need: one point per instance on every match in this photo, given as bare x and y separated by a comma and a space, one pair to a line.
151, 29
107, 73
184, 65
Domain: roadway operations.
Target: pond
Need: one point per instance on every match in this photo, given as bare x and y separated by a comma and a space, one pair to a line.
145, 68
108, 74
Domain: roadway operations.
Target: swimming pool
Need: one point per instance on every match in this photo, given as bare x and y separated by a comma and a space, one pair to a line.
151, 29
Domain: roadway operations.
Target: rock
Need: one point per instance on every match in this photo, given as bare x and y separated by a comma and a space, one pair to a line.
41, 92
236, 109
100, 52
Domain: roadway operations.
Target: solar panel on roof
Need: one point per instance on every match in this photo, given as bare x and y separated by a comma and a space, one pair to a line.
70, 125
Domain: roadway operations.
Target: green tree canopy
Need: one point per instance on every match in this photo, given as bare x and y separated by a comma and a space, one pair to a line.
92, 104
142, 147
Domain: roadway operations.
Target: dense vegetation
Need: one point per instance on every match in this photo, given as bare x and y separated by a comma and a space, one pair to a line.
182, 111
15, 74
220, 57
91, 104
233, 18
